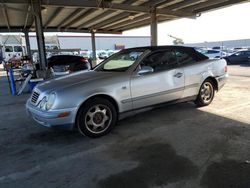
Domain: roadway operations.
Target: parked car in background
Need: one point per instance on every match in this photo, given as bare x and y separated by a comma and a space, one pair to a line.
1, 55
219, 47
86, 54
103, 55
239, 57
93, 101
214, 53
65, 64
110, 52
13, 51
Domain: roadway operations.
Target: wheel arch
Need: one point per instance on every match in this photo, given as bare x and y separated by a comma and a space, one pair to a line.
215, 82
104, 96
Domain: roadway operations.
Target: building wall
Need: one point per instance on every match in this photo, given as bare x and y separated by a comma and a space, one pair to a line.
102, 42
11, 40
228, 44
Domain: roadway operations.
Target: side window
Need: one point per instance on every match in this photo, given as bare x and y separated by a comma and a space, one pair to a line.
8, 49
246, 53
18, 48
213, 52
184, 58
160, 61
241, 53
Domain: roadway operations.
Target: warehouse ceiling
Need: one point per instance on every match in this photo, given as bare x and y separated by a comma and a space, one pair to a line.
101, 16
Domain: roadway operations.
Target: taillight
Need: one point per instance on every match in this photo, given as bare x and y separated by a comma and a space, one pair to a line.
225, 69
84, 60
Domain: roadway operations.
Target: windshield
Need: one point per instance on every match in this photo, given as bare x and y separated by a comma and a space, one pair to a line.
120, 62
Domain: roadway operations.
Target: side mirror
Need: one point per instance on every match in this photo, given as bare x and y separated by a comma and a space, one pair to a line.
145, 70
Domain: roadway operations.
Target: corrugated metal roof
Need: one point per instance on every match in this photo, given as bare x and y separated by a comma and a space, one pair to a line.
105, 16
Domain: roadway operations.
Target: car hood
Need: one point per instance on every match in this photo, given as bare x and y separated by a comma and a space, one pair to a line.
81, 77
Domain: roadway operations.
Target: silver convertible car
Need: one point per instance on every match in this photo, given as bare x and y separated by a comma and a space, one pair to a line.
92, 101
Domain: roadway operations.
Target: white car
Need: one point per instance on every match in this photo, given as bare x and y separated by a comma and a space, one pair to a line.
13, 51
214, 53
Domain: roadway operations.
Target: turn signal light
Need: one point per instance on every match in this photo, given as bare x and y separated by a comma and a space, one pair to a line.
63, 114
84, 60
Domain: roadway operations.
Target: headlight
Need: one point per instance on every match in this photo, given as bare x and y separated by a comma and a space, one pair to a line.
50, 101
43, 103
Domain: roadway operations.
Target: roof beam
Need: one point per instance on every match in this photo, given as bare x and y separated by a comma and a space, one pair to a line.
53, 16
16, 9
126, 22
55, 29
99, 17
203, 5
104, 14
11, 30
167, 12
184, 4
85, 30
27, 17
5, 15
80, 17
148, 4
88, 3
107, 5
93, 4
155, 3
141, 24
69, 17
33, 22
112, 20
136, 25
218, 5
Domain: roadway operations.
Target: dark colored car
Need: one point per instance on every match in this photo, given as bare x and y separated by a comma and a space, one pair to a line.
239, 57
65, 64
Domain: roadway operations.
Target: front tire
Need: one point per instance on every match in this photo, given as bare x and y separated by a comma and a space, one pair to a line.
206, 94
96, 118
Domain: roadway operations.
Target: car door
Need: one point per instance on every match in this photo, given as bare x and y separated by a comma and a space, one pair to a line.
245, 57
193, 71
236, 58
165, 82
242, 57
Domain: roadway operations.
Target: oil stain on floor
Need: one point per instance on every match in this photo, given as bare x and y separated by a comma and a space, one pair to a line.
158, 165
227, 174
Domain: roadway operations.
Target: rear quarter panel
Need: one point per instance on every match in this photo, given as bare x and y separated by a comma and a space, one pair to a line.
197, 73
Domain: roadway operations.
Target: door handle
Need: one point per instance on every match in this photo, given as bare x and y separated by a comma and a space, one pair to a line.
178, 75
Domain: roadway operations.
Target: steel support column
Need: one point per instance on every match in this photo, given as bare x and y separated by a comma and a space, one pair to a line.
36, 6
94, 60
27, 42
153, 27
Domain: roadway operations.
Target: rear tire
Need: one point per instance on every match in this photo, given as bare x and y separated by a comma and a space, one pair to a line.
206, 93
96, 118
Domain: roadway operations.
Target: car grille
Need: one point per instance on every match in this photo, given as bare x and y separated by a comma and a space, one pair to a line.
34, 97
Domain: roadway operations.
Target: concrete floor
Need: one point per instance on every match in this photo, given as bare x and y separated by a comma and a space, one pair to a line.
174, 147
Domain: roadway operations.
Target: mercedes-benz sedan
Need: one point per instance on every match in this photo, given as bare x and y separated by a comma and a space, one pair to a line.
92, 101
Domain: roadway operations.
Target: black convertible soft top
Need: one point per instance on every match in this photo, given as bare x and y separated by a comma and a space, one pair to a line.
190, 50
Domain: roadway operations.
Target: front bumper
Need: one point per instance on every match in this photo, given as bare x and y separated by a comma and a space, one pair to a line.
221, 80
51, 118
